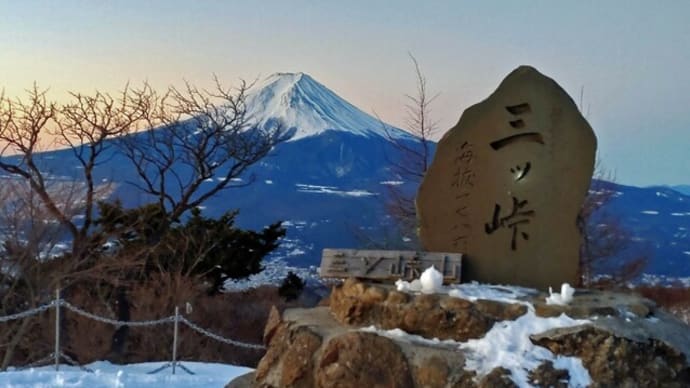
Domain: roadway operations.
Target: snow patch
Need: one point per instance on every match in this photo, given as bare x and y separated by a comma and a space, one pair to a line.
274, 272
308, 108
472, 291
316, 189
508, 345
392, 183
110, 375
432, 280
565, 297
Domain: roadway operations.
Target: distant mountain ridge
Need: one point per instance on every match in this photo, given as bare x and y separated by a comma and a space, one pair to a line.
685, 189
329, 182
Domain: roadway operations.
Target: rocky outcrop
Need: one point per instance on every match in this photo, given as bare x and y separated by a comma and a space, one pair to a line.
347, 357
429, 315
613, 359
626, 341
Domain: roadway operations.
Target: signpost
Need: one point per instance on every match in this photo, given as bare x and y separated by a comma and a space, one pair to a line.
383, 265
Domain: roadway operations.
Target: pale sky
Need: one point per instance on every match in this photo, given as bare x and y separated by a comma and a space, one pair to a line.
633, 58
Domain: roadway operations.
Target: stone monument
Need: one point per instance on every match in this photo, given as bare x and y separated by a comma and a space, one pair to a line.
507, 184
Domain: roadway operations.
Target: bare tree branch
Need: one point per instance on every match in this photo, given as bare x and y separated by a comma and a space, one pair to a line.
412, 157
198, 141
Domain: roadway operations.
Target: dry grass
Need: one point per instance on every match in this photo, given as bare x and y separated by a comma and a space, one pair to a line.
674, 299
240, 316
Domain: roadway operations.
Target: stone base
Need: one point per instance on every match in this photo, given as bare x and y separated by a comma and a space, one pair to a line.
327, 346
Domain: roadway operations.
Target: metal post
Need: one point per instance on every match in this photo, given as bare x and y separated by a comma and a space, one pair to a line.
57, 329
174, 350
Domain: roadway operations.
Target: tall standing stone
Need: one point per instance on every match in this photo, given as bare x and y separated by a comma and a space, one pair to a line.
507, 184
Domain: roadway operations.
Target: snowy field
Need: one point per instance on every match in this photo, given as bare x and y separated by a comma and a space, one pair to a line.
109, 375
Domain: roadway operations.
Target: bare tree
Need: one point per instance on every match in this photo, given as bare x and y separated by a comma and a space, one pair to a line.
33, 265
85, 125
605, 238
26, 234
412, 158
186, 146
197, 143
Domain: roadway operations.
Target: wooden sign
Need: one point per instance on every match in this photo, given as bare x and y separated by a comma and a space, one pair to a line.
388, 265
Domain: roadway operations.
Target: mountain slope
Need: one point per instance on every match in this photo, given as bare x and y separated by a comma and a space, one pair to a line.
685, 189
308, 108
329, 183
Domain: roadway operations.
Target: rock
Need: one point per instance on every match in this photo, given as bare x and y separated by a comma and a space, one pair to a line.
589, 303
276, 348
297, 363
271, 325
350, 358
507, 182
429, 315
433, 372
615, 361
244, 381
545, 375
497, 378
333, 346
361, 359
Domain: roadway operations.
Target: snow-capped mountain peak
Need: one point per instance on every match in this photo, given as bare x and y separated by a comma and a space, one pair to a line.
308, 108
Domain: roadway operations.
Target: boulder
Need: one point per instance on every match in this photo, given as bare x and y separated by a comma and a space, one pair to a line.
433, 316
507, 184
621, 340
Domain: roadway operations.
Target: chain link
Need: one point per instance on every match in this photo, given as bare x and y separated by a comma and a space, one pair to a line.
28, 313
217, 337
73, 362
41, 362
154, 322
115, 322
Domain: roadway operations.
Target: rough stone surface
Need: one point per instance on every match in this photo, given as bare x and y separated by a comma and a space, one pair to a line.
433, 372
432, 316
588, 303
497, 378
297, 363
545, 375
363, 360
616, 361
507, 183
311, 347
244, 381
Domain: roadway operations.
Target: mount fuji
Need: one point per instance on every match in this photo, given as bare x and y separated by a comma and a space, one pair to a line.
308, 108
328, 182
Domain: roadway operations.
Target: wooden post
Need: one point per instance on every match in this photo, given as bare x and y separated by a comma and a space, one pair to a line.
57, 329
174, 350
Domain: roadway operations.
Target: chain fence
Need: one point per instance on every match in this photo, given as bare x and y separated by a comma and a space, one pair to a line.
172, 319
27, 313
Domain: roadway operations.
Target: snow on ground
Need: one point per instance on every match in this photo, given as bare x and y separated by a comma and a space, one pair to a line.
661, 280
110, 375
470, 291
391, 183
564, 297
507, 344
273, 274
